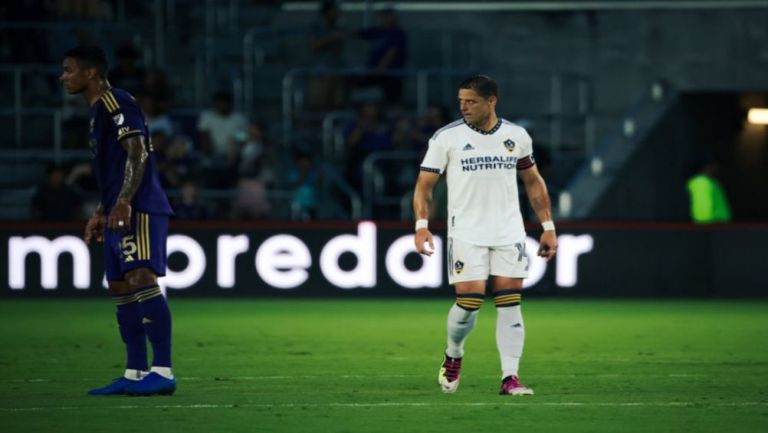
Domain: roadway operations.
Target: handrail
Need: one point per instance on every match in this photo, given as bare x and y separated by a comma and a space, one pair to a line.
251, 52
369, 165
290, 78
356, 205
250, 57
328, 131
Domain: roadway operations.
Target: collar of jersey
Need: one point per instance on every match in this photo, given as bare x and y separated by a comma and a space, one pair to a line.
478, 130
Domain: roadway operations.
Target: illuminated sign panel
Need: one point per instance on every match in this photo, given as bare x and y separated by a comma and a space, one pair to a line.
265, 262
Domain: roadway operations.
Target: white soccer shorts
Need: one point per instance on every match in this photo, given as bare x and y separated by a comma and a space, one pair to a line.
467, 262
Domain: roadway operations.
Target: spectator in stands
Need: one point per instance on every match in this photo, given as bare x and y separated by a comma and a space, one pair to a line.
157, 120
386, 56
251, 199
709, 203
436, 116
127, 74
369, 132
256, 154
54, 200
221, 131
189, 206
174, 160
304, 179
325, 90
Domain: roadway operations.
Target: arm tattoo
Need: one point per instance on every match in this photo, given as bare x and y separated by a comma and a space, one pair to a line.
134, 165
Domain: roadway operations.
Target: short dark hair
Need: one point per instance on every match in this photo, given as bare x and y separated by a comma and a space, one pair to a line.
90, 56
482, 84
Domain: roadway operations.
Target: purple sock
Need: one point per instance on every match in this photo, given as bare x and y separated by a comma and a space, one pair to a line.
132, 332
156, 317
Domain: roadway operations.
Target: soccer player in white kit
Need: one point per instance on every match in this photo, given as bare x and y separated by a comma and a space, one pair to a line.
482, 155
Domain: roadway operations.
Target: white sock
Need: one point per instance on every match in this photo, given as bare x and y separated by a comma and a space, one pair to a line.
133, 374
510, 335
460, 323
163, 371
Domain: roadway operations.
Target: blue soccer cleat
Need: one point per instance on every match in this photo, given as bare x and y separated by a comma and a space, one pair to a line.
117, 387
152, 384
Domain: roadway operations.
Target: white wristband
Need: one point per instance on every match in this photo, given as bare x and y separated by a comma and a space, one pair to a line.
422, 224
548, 225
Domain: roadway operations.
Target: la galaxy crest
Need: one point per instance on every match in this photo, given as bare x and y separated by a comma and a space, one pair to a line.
509, 145
458, 266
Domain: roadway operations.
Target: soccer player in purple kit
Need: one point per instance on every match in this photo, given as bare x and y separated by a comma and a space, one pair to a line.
131, 220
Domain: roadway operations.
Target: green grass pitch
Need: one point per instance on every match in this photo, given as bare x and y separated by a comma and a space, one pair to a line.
259, 365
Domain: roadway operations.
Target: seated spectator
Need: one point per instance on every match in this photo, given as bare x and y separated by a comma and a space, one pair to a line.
189, 206
304, 179
220, 131
255, 153
368, 133
82, 180
157, 120
174, 160
435, 118
54, 200
251, 201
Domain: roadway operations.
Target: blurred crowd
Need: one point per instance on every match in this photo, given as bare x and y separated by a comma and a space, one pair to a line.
219, 163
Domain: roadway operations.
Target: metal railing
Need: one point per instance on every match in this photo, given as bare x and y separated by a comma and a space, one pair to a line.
374, 183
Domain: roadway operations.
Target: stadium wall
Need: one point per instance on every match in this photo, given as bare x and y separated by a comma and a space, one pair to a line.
376, 259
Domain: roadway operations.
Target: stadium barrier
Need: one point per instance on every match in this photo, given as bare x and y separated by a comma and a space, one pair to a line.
376, 258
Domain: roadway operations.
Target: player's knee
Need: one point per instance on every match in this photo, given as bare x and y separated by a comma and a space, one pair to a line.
507, 298
470, 301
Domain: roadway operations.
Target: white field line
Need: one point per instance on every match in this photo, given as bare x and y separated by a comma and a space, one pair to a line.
388, 404
354, 377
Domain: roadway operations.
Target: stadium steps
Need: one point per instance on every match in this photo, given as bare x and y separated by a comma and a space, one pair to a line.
601, 169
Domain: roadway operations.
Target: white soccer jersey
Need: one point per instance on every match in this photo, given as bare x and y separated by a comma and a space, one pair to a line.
481, 170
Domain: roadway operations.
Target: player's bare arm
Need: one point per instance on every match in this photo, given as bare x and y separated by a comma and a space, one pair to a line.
120, 216
94, 228
422, 197
539, 198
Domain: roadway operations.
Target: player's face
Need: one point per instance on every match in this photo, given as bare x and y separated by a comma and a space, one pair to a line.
475, 109
73, 77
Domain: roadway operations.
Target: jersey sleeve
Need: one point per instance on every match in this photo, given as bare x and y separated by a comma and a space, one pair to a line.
436, 157
125, 115
526, 152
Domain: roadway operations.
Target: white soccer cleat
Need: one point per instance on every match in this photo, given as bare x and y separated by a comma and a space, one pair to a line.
448, 377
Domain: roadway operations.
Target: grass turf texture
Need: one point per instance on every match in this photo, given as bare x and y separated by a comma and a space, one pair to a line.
371, 366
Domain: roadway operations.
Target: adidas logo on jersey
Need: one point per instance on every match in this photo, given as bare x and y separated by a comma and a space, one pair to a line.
468, 147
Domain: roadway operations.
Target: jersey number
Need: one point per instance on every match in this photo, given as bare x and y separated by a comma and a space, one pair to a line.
128, 245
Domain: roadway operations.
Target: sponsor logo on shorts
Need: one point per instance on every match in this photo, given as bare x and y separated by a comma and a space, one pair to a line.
458, 266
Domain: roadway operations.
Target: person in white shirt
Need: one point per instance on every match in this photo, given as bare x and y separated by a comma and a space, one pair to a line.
221, 129
481, 156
